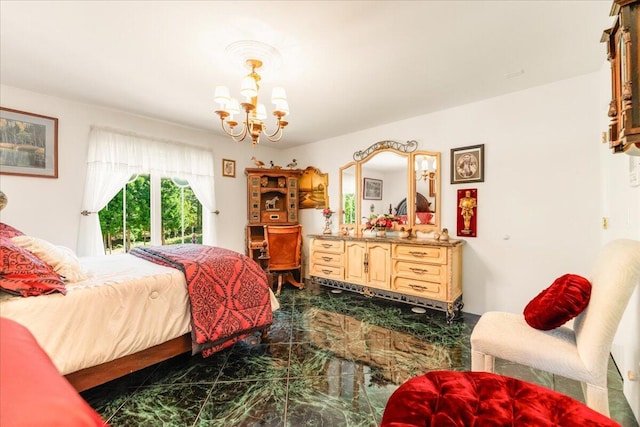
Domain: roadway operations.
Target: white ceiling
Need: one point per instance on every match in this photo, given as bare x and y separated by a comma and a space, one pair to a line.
347, 65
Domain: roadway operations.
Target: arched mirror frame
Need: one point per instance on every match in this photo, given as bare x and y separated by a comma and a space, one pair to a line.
408, 150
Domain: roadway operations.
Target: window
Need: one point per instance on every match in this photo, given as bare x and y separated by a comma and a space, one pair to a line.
127, 219
113, 157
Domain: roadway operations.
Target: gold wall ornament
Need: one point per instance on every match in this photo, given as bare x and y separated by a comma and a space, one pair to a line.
467, 208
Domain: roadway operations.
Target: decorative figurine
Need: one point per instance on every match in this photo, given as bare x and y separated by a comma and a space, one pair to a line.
293, 164
444, 235
270, 205
258, 163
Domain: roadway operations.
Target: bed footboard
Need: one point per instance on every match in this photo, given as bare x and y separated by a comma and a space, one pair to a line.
85, 379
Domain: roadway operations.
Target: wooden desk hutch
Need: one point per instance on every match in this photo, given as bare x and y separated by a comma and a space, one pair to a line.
272, 199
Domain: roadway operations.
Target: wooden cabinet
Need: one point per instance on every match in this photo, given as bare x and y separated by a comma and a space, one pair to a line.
623, 52
272, 198
368, 263
418, 272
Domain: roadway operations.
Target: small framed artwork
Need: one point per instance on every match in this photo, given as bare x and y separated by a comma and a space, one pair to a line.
372, 189
467, 164
229, 168
28, 144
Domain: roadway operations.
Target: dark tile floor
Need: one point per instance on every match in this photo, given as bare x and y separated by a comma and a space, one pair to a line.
330, 360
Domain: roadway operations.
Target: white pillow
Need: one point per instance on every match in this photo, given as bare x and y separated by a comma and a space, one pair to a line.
63, 260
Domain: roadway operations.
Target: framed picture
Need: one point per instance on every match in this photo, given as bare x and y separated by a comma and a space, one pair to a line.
467, 164
28, 144
372, 189
229, 168
313, 188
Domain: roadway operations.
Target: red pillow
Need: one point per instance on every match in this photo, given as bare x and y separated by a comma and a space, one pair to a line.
25, 274
559, 303
8, 231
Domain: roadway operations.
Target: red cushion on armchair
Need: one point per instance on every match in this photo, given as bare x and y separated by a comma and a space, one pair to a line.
461, 399
34, 393
559, 303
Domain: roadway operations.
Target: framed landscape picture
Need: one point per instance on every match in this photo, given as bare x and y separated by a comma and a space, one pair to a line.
467, 164
28, 144
372, 189
313, 188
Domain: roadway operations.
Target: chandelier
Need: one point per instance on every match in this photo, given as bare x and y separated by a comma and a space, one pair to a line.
423, 171
253, 112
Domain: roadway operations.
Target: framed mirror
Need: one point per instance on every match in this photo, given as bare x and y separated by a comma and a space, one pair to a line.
426, 187
384, 181
380, 180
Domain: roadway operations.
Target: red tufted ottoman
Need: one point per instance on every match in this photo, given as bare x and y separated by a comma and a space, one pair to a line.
464, 399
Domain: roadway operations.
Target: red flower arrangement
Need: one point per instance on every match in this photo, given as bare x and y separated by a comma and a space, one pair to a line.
380, 222
327, 212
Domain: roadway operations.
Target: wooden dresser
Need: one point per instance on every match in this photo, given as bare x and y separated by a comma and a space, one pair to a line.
420, 272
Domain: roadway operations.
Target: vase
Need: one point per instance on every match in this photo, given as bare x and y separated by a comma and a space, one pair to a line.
381, 233
327, 225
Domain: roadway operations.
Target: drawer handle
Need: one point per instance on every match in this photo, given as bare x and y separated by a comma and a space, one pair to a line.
418, 288
326, 245
418, 254
327, 271
327, 258
418, 270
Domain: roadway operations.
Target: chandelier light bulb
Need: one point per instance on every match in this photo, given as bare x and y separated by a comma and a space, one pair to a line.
278, 95
232, 108
249, 89
221, 96
261, 112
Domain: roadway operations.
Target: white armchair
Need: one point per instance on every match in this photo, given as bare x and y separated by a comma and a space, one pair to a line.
580, 353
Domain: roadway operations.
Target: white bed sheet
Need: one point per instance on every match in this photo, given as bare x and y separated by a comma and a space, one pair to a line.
126, 305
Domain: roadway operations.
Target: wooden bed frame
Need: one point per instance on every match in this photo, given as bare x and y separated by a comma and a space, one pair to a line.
87, 378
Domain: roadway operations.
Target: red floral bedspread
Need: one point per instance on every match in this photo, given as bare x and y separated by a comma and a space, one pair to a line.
228, 291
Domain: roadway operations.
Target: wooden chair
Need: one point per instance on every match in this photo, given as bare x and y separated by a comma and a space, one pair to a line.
284, 253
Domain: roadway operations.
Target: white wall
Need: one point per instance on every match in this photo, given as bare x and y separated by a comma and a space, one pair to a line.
50, 208
538, 209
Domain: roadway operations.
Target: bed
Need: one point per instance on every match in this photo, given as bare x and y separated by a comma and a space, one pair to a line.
122, 314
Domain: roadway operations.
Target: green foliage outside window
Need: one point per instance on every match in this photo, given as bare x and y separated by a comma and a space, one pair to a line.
138, 216
349, 208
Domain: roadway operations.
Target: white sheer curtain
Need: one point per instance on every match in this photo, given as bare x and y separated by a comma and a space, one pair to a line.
116, 155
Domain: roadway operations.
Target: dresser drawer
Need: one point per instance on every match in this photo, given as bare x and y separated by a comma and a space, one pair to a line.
420, 253
327, 271
328, 245
418, 288
274, 216
327, 258
419, 271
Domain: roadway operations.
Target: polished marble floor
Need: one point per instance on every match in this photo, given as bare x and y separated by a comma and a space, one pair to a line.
330, 360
